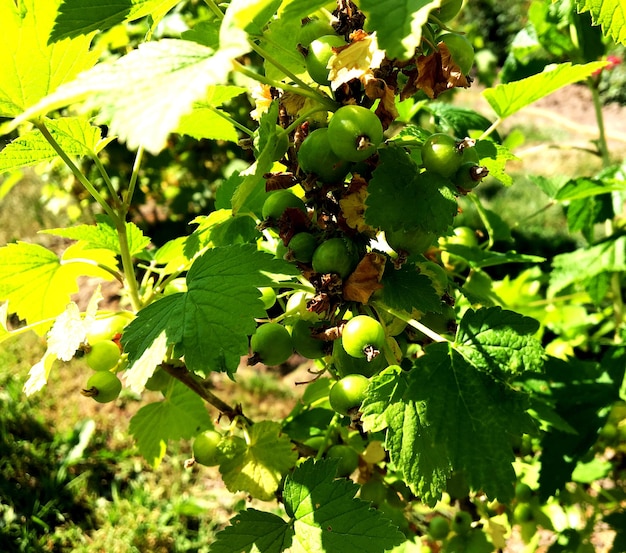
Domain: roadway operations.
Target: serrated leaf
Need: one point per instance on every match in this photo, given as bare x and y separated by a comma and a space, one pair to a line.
583, 264
609, 14
143, 95
327, 517
499, 342
77, 18
469, 416
180, 416
75, 135
266, 532
268, 457
38, 284
406, 289
506, 99
412, 449
103, 235
31, 69
400, 197
211, 322
398, 23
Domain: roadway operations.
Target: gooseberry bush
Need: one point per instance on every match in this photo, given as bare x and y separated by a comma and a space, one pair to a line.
339, 241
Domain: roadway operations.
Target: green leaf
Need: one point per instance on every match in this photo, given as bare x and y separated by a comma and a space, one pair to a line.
494, 157
38, 284
400, 197
252, 15
281, 42
205, 121
479, 258
31, 69
75, 135
388, 406
585, 187
103, 235
253, 184
474, 542
609, 14
406, 289
327, 517
260, 470
79, 18
266, 532
299, 9
398, 23
506, 99
458, 120
583, 264
582, 393
180, 416
467, 416
499, 342
143, 95
211, 322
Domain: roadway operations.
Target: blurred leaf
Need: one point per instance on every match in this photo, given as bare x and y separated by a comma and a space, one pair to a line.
610, 14
143, 95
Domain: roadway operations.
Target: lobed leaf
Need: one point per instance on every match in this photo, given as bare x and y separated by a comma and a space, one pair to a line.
180, 416
583, 264
143, 95
211, 322
469, 417
260, 470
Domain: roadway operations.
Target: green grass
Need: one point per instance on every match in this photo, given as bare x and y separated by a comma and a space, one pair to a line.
71, 483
